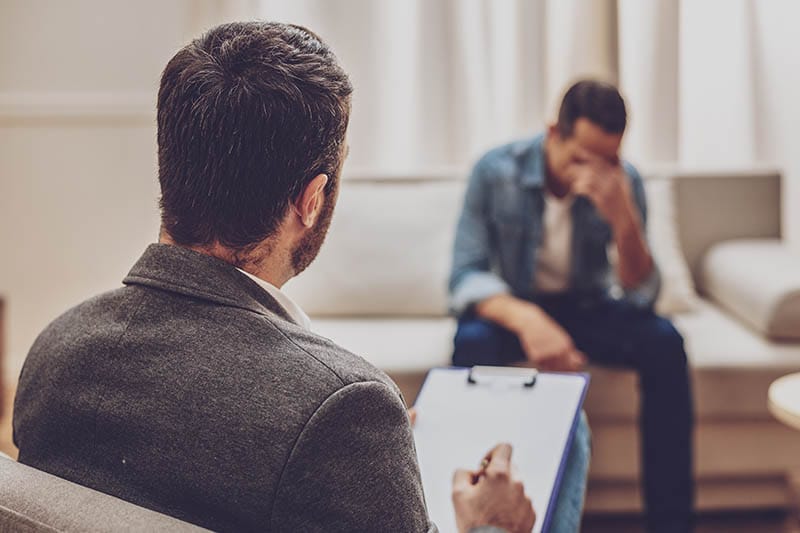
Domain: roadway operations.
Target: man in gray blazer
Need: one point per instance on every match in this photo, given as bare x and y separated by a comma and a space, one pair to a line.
197, 389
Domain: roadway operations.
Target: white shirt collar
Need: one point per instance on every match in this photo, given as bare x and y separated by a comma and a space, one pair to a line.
297, 314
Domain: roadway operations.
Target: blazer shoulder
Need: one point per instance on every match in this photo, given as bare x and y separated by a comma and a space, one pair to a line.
104, 315
347, 367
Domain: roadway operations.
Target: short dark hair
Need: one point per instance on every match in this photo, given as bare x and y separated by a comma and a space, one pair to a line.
596, 101
248, 115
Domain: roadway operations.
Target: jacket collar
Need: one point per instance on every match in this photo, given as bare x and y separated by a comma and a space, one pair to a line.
183, 271
531, 157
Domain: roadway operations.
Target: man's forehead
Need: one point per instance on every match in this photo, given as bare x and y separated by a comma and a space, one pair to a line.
591, 137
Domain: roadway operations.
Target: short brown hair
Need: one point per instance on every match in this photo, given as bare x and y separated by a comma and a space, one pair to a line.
601, 103
248, 115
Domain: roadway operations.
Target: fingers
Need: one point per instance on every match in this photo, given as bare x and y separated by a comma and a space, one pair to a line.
569, 360
462, 479
579, 359
589, 186
530, 514
412, 416
585, 157
552, 357
599, 162
552, 351
551, 364
582, 186
543, 351
499, 460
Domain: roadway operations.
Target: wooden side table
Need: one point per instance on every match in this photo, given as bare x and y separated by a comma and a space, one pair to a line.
783, 400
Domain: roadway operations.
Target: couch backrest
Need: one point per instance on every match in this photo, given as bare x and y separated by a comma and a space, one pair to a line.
388, 249
387, 252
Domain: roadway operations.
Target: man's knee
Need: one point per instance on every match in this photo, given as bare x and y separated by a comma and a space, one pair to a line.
663, 348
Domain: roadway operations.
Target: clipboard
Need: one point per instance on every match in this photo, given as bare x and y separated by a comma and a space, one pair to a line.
462, 413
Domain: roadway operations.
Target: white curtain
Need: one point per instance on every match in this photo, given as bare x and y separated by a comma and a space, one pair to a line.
686, 69
440, 81
648, 74
714, 84
709, 83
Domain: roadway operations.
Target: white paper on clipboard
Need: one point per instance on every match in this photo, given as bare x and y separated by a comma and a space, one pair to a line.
458, 422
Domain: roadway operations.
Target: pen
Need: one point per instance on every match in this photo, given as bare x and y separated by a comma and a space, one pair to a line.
481, 470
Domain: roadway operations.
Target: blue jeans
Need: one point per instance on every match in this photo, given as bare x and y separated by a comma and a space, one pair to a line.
614, 333
569, 506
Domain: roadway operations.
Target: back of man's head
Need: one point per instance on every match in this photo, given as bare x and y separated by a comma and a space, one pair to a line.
600, 103
248, 115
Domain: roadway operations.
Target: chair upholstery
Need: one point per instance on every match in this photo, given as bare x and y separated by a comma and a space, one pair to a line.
34, 501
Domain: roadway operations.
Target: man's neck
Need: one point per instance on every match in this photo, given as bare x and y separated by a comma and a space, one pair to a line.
554, 185
265, 261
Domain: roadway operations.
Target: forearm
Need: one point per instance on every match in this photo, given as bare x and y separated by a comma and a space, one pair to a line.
635, 263
506, 310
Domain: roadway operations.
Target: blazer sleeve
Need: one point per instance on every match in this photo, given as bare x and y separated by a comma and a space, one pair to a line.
353, 468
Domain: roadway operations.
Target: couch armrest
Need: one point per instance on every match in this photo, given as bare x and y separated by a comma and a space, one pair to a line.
758, 281
39, 501
714, 207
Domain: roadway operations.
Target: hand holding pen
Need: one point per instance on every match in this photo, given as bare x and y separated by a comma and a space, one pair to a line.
491, 495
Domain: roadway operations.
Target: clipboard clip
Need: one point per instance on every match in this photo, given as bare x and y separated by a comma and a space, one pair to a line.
528, 374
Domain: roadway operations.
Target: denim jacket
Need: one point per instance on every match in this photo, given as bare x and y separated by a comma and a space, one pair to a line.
500, 230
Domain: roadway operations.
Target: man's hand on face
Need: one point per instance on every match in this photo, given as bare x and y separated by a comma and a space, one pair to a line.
545, 343
491, 496
606, 185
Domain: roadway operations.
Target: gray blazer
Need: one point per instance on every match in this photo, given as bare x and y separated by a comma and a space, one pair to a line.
191, 392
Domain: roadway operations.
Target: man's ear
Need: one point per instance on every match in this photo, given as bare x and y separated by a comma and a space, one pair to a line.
310, 202
552, 131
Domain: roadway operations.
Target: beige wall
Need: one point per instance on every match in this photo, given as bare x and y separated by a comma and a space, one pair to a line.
78, 187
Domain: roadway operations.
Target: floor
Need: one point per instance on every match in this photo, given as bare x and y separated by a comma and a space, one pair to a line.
761, 522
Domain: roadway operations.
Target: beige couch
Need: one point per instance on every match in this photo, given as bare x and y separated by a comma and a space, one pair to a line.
378, 288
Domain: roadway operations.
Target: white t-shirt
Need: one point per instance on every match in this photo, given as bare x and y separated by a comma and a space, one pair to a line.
554, 256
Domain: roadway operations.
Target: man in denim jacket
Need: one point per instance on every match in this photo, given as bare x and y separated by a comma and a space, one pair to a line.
551, 267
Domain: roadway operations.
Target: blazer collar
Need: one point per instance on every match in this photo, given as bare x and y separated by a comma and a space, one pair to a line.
183, 271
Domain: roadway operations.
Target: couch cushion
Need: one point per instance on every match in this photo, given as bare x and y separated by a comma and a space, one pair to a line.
397, 346
387, 252
732, 369
678, 293
732, 366
759, 282
715, 340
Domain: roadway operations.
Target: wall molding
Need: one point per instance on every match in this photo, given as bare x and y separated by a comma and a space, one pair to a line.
80, 106
96, 108
649, 172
